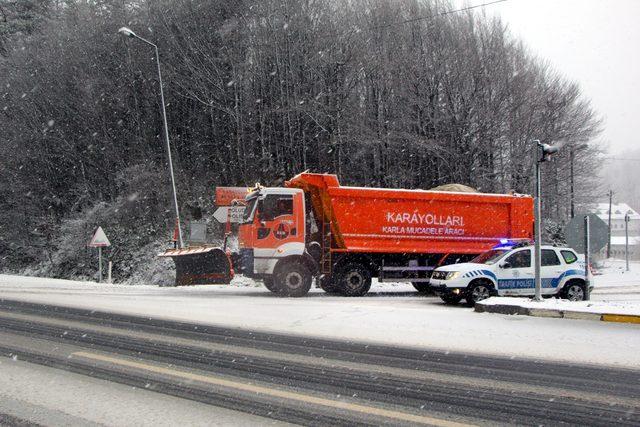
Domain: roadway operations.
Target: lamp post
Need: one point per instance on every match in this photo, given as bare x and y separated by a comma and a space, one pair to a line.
545, 151
609, 224
129, 33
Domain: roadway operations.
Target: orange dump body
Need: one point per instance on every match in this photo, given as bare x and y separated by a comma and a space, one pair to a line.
415, 221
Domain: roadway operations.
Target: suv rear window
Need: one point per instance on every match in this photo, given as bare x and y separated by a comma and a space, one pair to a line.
569, 257
549, 257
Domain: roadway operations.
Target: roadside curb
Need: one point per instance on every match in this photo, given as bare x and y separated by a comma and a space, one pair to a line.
547, 312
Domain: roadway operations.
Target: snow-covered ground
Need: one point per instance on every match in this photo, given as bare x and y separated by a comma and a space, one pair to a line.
390, 314
616, 290
612, 274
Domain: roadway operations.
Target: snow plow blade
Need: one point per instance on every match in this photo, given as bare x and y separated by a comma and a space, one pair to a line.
201, 266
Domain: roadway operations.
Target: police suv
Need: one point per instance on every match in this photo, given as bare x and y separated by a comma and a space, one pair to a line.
508, 270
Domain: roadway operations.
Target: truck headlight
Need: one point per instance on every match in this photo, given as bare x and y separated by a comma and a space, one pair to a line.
452, 275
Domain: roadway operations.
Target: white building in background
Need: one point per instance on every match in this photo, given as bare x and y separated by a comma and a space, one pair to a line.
618, 212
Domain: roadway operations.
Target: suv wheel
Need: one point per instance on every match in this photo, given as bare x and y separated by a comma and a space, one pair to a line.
477, 292
574, 291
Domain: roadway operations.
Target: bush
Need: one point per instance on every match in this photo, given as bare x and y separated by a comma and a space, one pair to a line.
134, 222
553, 233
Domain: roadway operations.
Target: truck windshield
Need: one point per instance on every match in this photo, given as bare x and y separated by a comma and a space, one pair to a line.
249, 211
489, 257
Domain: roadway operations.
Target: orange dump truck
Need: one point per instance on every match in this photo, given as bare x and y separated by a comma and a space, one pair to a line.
345, 236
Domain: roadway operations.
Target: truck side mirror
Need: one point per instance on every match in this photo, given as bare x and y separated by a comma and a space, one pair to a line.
505, 265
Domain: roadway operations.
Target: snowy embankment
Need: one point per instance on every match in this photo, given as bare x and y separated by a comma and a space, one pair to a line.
631, 308
616, 292
390, 314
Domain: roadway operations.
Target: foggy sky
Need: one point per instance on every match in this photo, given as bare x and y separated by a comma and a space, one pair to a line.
593, 42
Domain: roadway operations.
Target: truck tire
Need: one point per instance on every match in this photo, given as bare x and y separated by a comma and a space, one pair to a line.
270, 284
354, 280
422, 287
293, 279
329, 285
478, 291
574, 291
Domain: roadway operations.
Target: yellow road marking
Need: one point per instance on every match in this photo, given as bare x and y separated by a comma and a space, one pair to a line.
622, 318
369, 410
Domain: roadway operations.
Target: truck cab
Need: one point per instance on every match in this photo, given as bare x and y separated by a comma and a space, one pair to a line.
509, 271
271, 240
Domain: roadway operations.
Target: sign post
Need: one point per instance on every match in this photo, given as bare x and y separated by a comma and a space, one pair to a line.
99, 240
587, 253
626, 239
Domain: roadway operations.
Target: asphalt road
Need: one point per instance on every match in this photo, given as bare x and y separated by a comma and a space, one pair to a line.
314, 381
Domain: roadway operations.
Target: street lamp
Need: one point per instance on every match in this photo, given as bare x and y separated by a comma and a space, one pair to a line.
545, 151
127, 32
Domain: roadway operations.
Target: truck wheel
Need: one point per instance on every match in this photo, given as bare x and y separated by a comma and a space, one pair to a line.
574, 291
451, 299
329, 285
422, 287
270, 284
293, 280
354, 280
477, 292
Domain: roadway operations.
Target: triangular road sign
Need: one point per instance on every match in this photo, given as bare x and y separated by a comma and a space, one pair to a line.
99, 239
